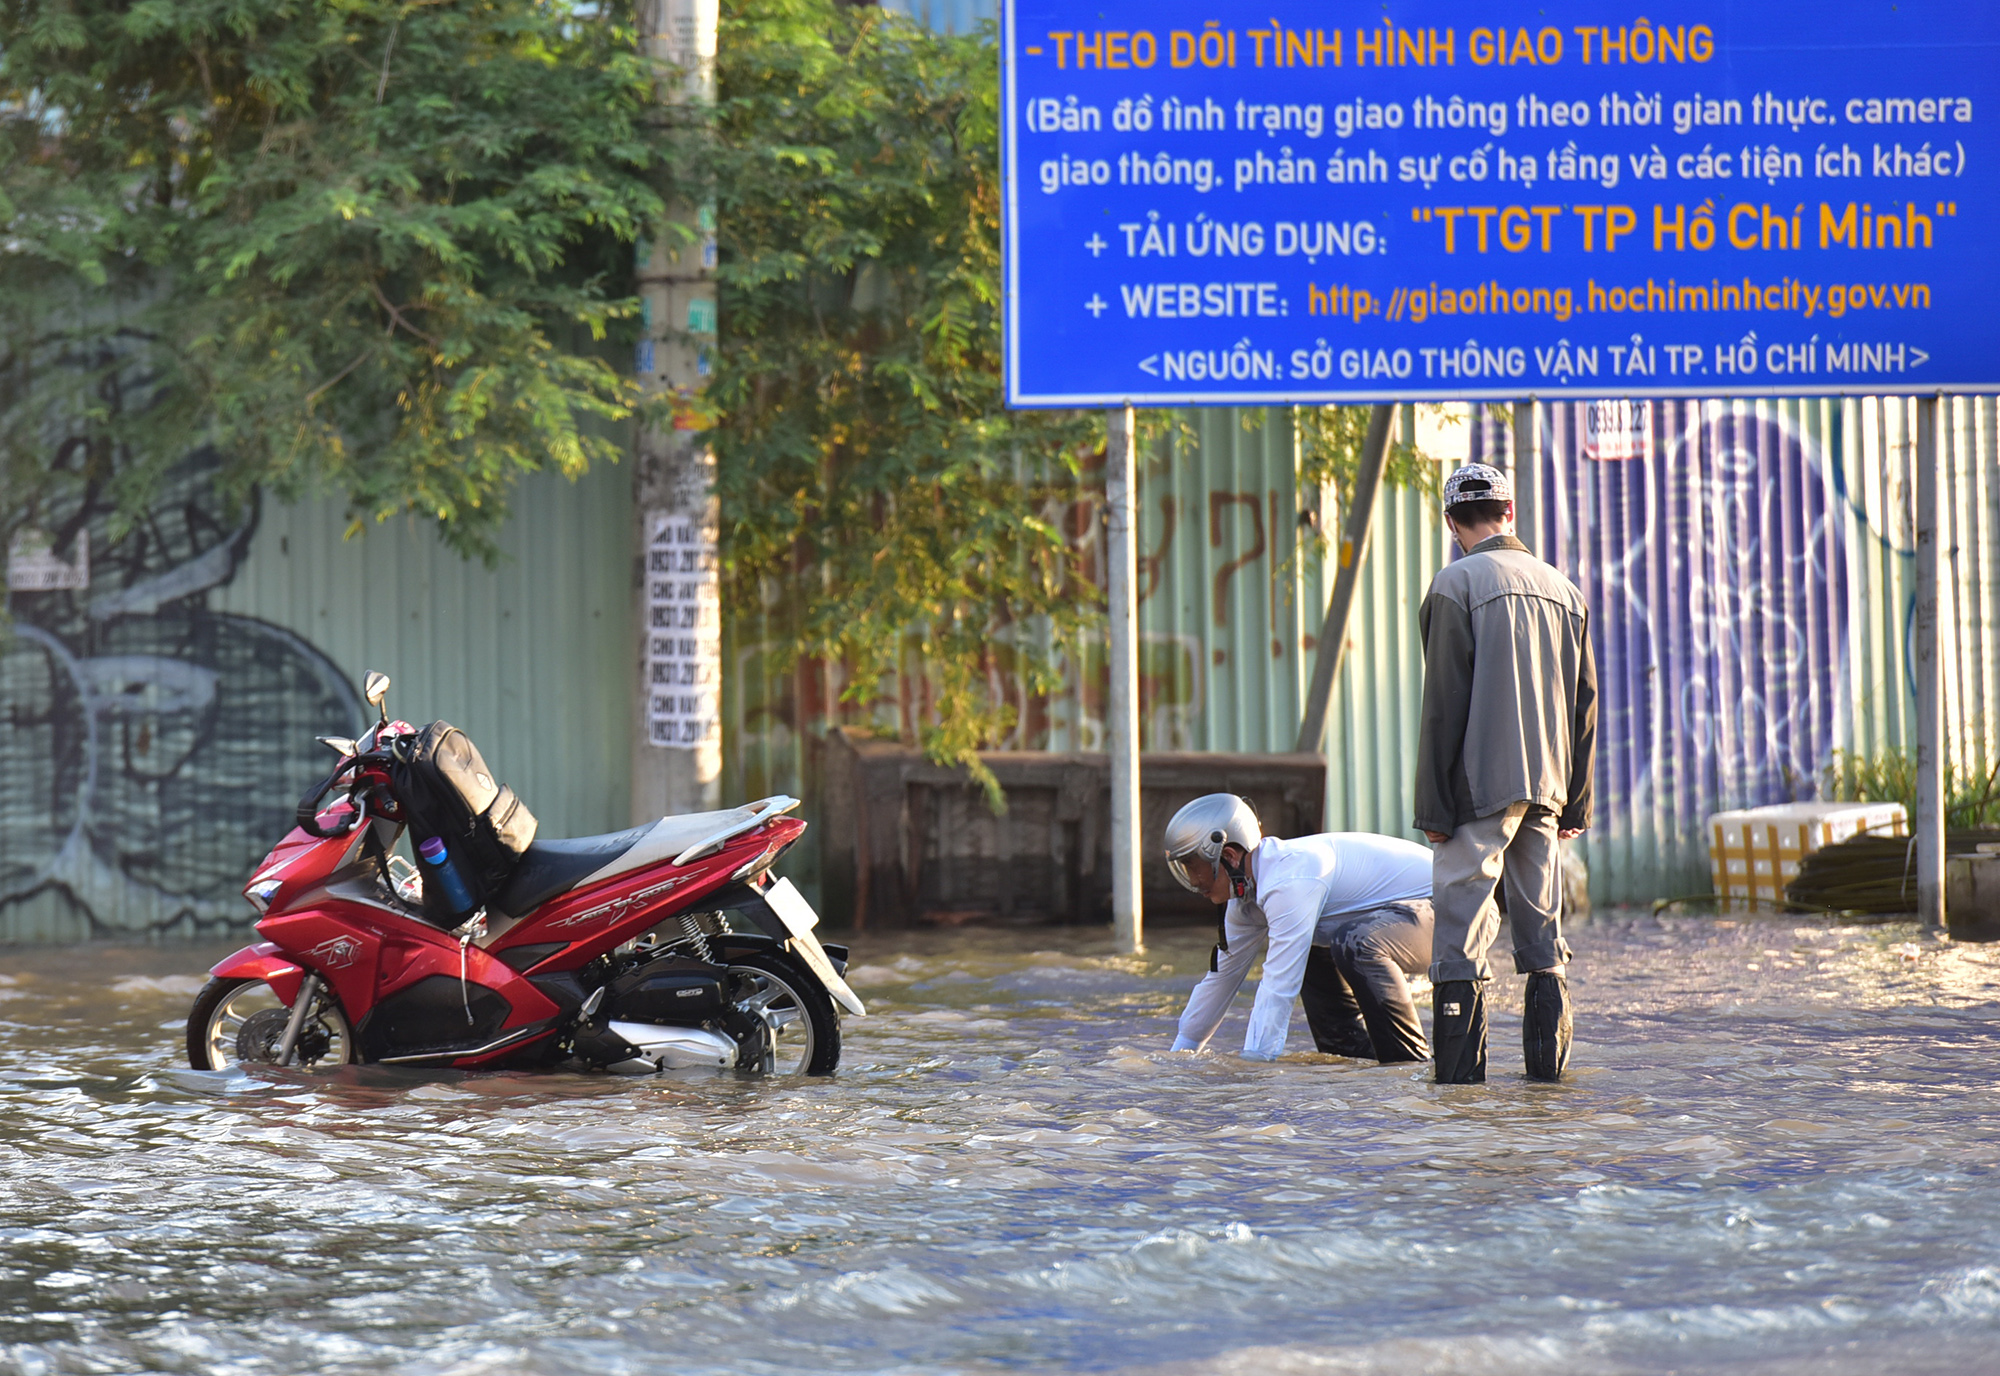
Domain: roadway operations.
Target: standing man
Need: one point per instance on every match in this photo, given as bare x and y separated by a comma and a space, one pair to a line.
1504, 758
1339, 919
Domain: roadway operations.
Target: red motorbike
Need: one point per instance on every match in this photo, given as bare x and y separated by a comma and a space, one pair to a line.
668, 946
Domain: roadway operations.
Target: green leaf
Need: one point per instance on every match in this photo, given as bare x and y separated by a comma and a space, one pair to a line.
412, 300
882, 509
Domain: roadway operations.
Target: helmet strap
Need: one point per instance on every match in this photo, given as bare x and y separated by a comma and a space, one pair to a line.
1239, 885
1239, 881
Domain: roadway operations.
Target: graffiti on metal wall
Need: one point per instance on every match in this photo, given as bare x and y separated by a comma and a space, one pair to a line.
153, 749
1707, 542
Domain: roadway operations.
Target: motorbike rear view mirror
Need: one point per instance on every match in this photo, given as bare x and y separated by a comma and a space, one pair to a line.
375, 687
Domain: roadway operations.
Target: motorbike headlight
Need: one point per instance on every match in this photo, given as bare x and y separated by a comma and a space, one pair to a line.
260, 893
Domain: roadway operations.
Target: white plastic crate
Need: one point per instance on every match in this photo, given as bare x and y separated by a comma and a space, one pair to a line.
1754, 852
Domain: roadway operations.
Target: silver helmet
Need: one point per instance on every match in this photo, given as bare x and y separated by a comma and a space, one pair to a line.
1204, 827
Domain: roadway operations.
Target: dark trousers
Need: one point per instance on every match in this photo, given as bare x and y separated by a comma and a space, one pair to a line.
1356, 999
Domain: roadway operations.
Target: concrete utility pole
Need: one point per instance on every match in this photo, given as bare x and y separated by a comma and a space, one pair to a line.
677, 757
1353, 545
1930, 733
1121, 713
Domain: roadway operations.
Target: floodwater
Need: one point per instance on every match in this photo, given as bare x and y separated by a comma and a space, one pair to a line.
1776, 1154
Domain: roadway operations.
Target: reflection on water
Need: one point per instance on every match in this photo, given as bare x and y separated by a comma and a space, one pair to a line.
1776, 1154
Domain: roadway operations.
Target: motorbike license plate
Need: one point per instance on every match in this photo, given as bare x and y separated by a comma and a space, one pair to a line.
791, 907
799, 918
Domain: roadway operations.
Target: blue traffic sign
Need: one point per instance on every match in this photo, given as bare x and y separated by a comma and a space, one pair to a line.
1312, 202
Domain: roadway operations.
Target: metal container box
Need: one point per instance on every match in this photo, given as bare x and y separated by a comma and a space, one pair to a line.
1754, 852
908, 842
1972, 895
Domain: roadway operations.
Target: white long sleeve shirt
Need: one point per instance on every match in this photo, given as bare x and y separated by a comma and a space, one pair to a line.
1294, 886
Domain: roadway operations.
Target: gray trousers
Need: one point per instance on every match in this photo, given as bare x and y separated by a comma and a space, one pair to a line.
1356, 999
1517, 846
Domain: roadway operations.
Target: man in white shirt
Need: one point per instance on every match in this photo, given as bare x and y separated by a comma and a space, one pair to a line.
1364, 899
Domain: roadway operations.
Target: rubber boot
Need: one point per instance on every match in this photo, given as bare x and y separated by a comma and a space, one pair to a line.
1458, 1032
1546, 1025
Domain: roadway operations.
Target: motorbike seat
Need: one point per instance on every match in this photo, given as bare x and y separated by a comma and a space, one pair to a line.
551, 868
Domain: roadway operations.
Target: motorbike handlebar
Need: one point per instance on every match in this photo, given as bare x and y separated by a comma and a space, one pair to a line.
359, 788
369, 771
307, 815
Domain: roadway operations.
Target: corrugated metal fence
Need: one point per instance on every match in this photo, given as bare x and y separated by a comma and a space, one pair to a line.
1749, 565
159, 722
1230, 608
534, 655
1751, 572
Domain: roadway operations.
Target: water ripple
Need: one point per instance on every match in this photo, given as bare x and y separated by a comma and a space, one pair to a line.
1773, 1156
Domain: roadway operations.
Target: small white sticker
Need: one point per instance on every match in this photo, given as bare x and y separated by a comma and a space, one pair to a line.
33, 566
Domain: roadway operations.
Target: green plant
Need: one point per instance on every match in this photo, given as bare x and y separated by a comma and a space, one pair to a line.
1972, 797
873, 485
372, 246
1330, 439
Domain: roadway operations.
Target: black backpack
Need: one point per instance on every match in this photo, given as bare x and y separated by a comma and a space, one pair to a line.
447, 791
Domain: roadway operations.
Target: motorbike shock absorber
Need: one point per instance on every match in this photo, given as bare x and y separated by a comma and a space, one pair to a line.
696, 938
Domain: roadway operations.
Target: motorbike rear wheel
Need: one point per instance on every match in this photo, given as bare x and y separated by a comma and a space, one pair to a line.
805, 1036
237, 1022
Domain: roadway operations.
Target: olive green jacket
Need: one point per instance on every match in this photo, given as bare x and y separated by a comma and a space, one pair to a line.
1510, 691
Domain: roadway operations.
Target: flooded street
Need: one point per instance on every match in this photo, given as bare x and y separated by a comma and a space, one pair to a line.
1776, 1153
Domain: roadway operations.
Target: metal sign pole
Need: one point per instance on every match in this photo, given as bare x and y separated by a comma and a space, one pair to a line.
1122, 705
1930, 736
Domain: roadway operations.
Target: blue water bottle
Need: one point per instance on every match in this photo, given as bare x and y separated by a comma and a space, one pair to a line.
451, 885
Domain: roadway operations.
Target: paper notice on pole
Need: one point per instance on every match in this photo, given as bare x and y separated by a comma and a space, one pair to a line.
1617, 430
34, 566
683, 632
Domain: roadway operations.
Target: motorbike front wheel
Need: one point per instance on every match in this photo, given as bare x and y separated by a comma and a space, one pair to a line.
805, 1034
239, 1022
